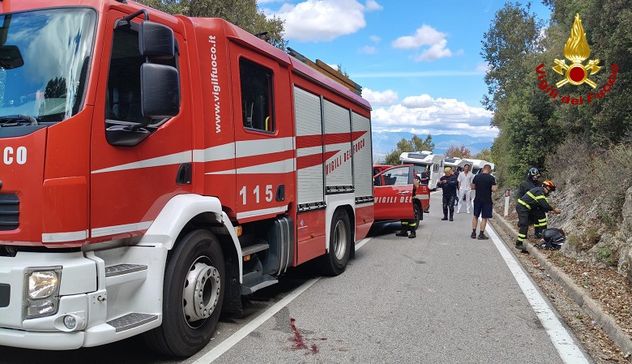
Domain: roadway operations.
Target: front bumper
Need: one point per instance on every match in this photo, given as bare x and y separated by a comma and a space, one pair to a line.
77, 288
41, 340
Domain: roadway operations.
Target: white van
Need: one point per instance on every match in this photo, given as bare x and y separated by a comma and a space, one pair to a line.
425, 161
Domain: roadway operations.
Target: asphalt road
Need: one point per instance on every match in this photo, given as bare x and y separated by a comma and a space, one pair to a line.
439, 298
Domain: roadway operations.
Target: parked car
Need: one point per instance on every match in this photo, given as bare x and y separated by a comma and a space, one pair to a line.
393, 188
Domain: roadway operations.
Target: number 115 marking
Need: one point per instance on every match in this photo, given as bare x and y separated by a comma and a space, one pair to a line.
256, 192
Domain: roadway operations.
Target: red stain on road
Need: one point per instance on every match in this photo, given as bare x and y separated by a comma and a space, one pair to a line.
299, 340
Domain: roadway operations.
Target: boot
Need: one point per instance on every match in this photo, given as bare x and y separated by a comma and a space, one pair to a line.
444, 218
402, 233
482, 236
412, 235
473, 236
520, 246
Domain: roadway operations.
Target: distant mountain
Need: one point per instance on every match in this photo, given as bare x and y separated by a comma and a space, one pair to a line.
384, 142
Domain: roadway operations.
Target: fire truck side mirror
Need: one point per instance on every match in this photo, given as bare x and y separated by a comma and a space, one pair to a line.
156, 41
160, 91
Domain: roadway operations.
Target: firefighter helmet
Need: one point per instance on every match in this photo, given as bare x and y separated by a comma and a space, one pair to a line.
533, 172
549, 185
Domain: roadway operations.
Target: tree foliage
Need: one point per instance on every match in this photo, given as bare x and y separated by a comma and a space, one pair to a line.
414, 144
458, 152
532, 125
484, 154
243, 13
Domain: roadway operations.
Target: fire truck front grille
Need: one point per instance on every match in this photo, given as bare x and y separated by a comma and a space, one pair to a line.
9, 211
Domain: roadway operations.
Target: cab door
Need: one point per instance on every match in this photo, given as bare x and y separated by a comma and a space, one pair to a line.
264, 143
133, 178
393, 191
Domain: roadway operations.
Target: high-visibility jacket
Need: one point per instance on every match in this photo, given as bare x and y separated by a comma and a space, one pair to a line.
535, 199
526, 186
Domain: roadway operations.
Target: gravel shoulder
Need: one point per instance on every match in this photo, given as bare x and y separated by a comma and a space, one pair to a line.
602, 283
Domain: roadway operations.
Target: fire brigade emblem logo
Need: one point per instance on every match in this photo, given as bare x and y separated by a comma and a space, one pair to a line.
576, 51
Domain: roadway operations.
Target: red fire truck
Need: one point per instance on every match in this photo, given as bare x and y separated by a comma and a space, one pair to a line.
156, 168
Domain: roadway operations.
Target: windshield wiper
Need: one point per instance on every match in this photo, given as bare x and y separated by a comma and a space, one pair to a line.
17, 120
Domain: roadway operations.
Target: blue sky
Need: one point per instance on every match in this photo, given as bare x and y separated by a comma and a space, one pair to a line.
418, 61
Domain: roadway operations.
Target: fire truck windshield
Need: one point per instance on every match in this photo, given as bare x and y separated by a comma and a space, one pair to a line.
44, 59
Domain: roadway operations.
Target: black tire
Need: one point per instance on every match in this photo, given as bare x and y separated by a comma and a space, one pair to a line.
334, 263
178, 337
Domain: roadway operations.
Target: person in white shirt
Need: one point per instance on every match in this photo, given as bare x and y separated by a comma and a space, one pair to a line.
465, 189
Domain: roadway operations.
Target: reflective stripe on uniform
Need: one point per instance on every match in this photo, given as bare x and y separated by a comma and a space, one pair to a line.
524, 204
414, 224
542, 220
520, 239
521, 235
404, 222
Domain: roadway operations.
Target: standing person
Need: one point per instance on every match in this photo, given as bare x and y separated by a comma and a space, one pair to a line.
449, 183
483, 184
533, 199
410, 226
465, 189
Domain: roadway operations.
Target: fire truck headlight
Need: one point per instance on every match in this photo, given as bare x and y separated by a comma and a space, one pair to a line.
42, 291
42, 284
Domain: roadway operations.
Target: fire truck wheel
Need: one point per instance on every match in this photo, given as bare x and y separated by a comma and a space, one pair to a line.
192, 296
335, 261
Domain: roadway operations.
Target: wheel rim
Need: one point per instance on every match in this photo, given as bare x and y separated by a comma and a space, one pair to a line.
340, 240
200, 294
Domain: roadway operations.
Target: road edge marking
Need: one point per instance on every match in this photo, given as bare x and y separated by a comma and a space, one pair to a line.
562, 340
251, 326
362, 243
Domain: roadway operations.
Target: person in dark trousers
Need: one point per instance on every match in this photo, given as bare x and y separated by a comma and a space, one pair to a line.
449, 183
537, 217
483, 184
533, 199
410, 226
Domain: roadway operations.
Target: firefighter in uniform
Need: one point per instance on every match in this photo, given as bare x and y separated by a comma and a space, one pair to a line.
411, 225
533, 199
537, 217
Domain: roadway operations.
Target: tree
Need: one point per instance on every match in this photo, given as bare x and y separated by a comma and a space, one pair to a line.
513, 33
458, 152
484, 154
404, 145
523, 114
243, 13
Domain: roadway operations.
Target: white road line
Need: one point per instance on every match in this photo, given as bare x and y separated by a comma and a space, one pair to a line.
361, 243
251, 326
562, 340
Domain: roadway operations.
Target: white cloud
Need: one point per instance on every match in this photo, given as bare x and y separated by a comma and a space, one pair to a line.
375, 39
334, 66
425, 114
387, 97
372, 5
435, 52
263, 2
368, 50
321, 20
429, 37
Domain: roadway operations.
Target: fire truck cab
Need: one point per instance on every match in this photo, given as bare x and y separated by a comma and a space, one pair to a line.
156, 168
